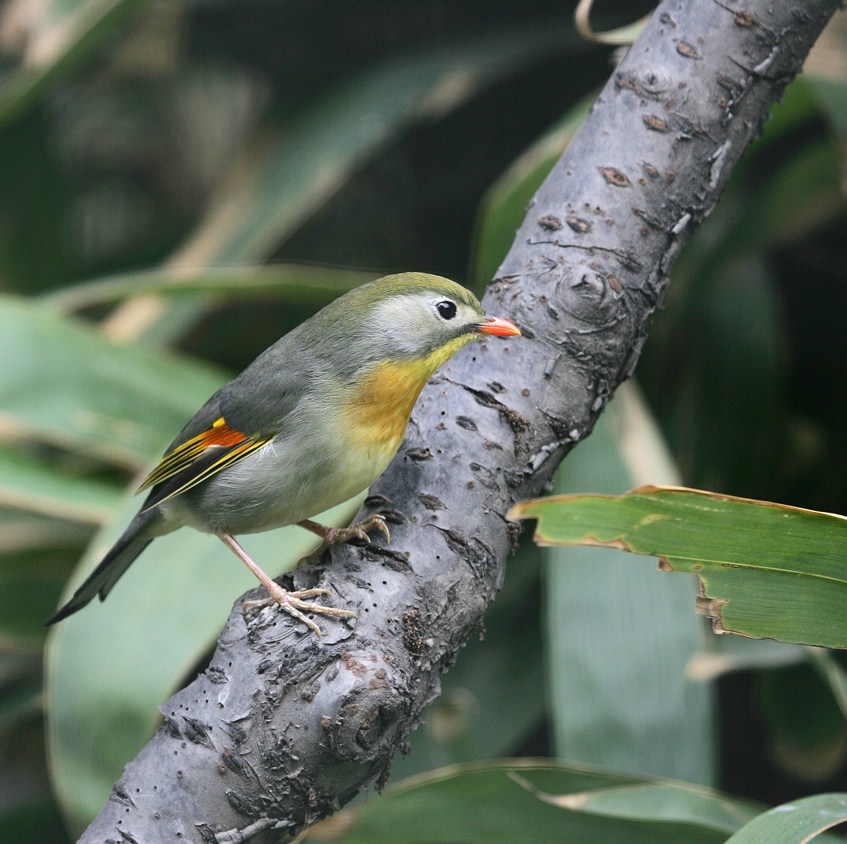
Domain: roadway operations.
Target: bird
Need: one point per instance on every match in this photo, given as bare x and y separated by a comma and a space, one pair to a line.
311, 422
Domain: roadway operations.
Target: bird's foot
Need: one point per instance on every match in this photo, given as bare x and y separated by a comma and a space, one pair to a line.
332, 536
294, 604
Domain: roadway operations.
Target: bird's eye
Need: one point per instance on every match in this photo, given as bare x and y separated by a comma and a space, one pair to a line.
446, 309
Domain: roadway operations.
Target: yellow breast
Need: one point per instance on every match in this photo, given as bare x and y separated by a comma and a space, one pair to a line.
383, 399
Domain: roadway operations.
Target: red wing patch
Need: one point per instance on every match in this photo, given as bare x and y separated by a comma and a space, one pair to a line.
197, 459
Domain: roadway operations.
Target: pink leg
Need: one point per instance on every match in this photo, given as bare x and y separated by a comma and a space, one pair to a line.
291, 602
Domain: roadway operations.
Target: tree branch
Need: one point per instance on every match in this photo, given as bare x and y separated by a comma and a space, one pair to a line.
283, 727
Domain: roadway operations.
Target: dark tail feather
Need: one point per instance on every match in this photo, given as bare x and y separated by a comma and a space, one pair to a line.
134, 540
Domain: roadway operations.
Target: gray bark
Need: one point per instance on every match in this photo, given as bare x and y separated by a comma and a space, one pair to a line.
283, 727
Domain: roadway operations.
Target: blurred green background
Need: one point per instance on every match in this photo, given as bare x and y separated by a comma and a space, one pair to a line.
182, 182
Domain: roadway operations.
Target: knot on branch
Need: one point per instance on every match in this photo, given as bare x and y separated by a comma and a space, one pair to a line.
365, 721
583, 296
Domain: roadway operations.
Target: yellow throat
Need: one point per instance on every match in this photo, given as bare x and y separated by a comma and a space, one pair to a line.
385, 396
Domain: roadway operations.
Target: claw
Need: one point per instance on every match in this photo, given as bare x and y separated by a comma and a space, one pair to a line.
293, 604
332, 536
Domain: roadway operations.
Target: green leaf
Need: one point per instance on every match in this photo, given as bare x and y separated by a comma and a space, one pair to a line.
800, 196
805, 731
25, 530
671, 801
823, 75
620, 692
724, 422
58, 34
535, 800
798, 821
303, 285
796, 106
109, 668
766, 570
65, 384
831, 95
733, 427
42, 488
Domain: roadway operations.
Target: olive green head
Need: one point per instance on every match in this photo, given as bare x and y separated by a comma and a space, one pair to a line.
403, 317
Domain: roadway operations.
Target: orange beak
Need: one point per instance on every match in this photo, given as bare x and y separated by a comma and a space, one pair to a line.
498, 327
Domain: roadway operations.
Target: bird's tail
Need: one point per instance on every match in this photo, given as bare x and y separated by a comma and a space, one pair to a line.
133, 541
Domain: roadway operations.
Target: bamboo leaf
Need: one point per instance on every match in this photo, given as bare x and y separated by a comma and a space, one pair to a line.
63, 383
41, 488
535, 800
620, 694
798, 821
766, 570
305, 285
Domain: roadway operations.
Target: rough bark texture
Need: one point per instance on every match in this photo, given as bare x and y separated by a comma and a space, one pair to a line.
283, 727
